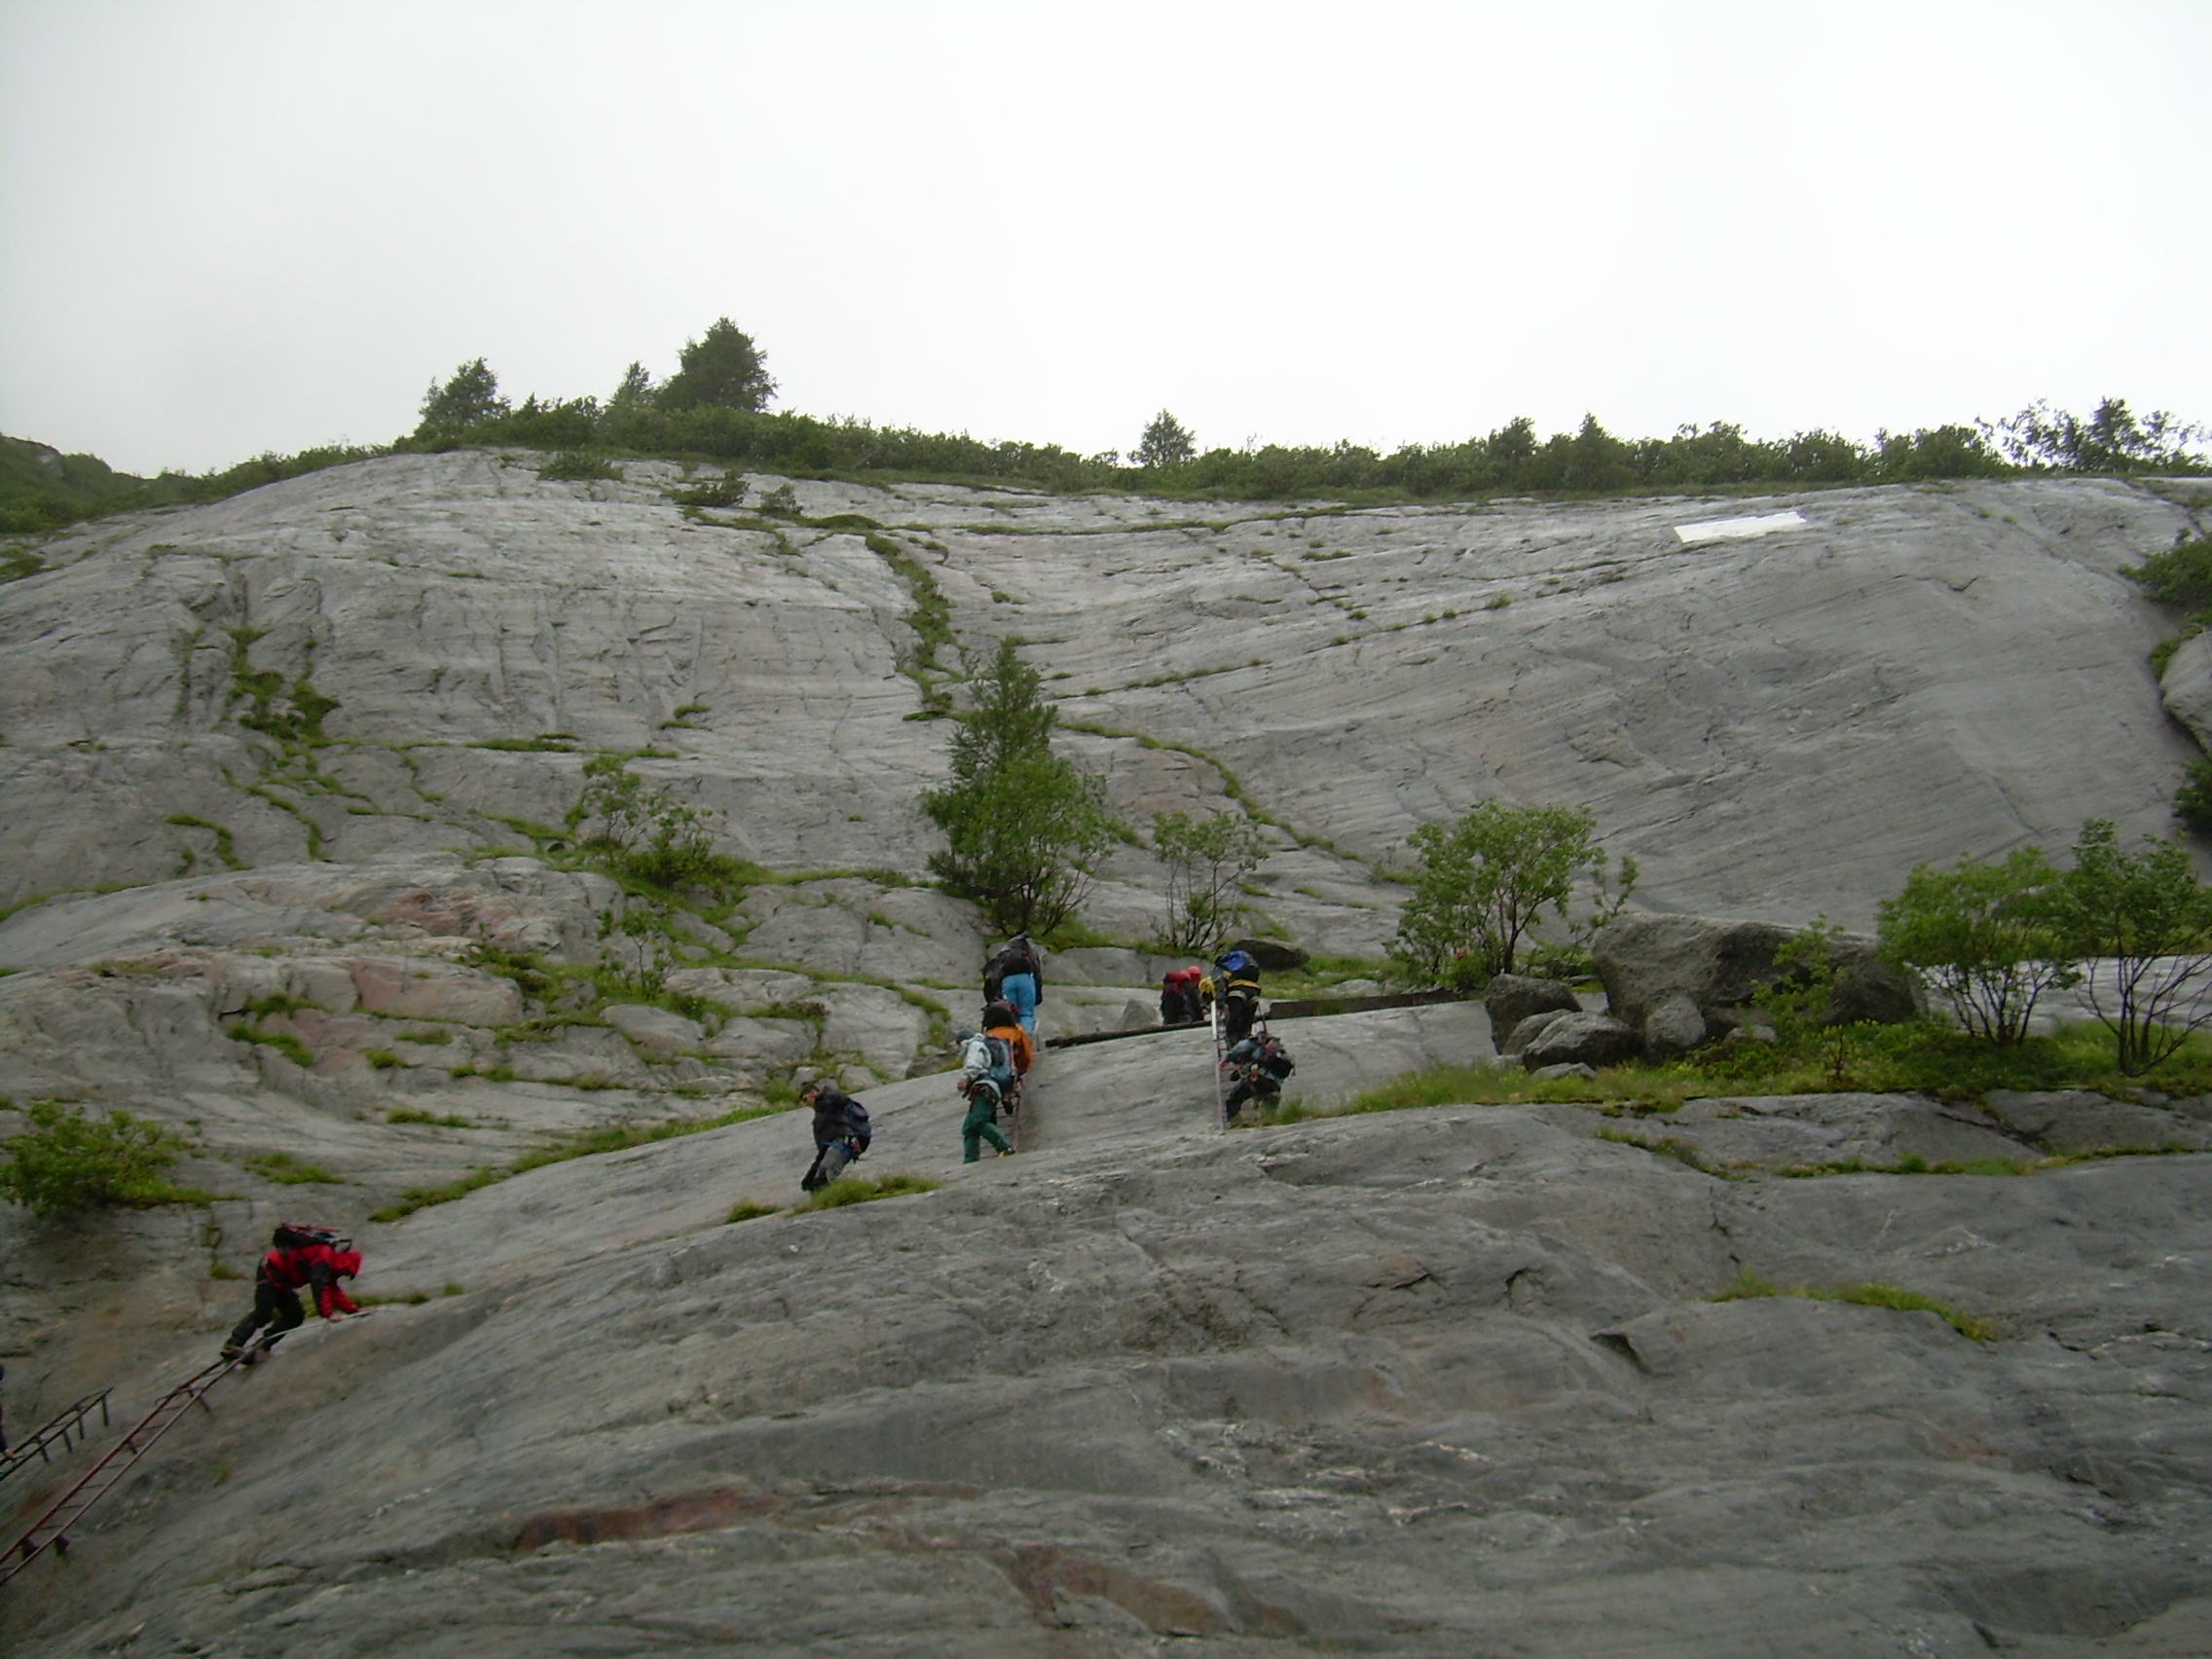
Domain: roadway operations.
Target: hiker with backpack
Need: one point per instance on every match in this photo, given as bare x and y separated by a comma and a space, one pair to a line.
841, 1132
1236, 985
1017, 972
1179, 1003
992, 1064
300, 1258
1258, 1064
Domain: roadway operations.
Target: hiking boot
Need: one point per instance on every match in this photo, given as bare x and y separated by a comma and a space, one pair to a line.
232, 1351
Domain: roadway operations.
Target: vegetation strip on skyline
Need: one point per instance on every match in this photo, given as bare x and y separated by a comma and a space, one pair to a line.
715, 408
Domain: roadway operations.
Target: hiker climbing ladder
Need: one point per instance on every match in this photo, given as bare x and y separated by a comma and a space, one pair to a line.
64, 1432
51, 1531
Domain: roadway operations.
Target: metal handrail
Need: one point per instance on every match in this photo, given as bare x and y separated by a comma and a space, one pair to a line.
66, 1428
51, 1531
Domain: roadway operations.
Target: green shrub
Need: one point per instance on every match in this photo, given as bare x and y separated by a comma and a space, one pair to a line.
1485, 881
579, 467
2149, 915
409, 1115
1207, 860
283, 1042
749, 1211
289, 1172
1023, 826
382, 1060
2192, 801
860, 1190
66, 1161
1984, 936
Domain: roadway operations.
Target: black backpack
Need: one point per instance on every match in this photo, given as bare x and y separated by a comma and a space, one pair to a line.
861, 1131
995, 971
297, 1235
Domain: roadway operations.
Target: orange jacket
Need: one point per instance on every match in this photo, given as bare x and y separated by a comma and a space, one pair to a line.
1017, 1040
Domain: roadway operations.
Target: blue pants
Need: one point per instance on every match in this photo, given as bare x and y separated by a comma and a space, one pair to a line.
1021, 989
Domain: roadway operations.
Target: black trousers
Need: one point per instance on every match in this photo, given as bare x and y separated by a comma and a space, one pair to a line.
275, 1307
829, 1164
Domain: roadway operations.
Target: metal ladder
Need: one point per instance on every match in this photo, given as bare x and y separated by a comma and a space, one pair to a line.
51, 1531
66, 1429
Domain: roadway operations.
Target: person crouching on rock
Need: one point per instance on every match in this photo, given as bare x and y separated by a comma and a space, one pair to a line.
300, 1258
841, 1132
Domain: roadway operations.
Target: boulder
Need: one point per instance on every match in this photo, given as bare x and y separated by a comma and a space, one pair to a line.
1526, 1031
1586, 1039
2186, 685
1272, 954
1512, 998
1646, 960
654, 1028
1674, 1027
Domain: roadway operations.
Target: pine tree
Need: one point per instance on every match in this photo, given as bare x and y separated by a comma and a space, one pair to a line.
723, 369
1166, 442
1022, 826
471, 395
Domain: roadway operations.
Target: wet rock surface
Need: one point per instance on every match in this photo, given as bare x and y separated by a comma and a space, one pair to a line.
1437, 1381
1423, 1382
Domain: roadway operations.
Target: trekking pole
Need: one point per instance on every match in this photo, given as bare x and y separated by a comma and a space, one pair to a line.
51, 1529
65, 1427
1219, 1053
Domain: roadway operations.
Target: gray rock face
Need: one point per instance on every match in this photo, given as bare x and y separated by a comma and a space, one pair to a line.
2072, 1120
1420, 1382
1811, 703
1647, 961
1512, 998
2186, 686
1580, 1039
1286, 1389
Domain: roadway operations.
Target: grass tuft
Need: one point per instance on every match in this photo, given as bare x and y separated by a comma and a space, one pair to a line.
863, 1189
287, 1170
1869, 1293
749, 1211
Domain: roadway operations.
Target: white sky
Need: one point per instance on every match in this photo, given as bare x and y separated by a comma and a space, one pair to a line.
233, 227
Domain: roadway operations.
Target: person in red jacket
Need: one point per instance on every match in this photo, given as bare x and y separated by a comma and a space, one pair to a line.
300, 1258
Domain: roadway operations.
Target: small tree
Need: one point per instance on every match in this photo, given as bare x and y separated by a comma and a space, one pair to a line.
723, 369
641, 832
66, 1161
1984, 936
636, 388
1022, 826
2149, 919
1166, 442
1485, 881
1801, 997
2192, 801
1207, 860
469, 397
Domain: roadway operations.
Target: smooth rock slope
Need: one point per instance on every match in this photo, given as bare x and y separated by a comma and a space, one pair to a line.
287, 863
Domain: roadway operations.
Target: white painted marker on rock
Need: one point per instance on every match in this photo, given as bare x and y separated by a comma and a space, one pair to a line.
1738, 529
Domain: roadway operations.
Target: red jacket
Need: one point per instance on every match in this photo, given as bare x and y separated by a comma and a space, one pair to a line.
316, 1266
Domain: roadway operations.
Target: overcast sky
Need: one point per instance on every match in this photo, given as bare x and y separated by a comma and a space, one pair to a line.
226, 228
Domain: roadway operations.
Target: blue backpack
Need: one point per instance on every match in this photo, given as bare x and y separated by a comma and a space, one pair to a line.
1002, 1060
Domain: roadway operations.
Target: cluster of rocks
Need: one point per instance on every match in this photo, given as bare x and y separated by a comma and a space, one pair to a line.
1675, 984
